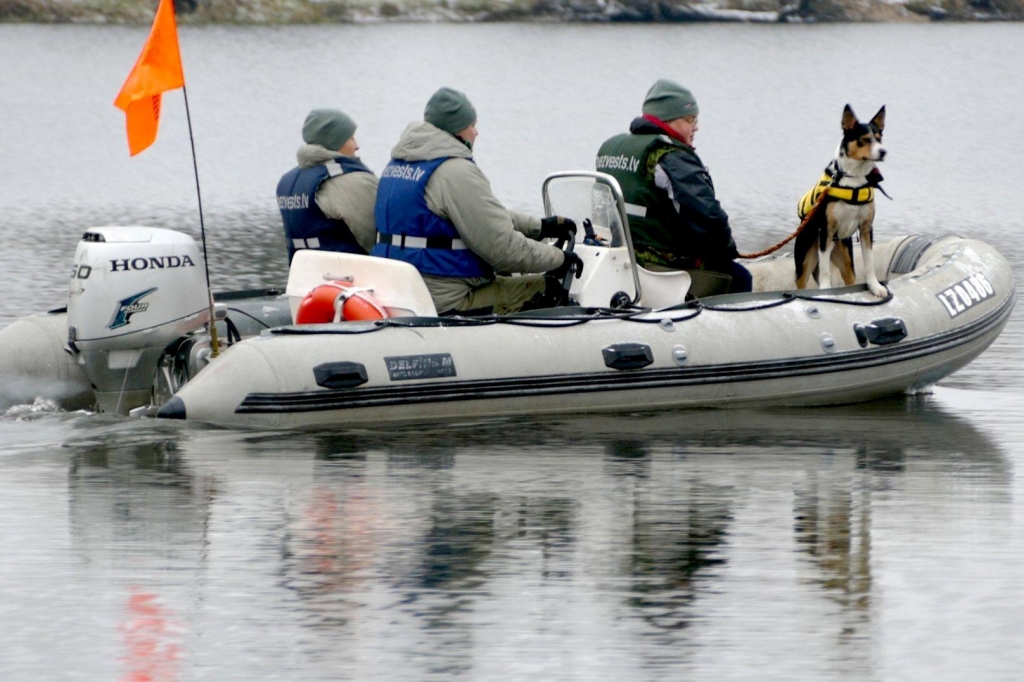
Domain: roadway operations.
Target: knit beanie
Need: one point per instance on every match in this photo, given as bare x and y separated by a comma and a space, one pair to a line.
450, 110
329, 128
668, 101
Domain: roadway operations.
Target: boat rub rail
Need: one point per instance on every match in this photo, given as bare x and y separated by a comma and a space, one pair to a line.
477, 389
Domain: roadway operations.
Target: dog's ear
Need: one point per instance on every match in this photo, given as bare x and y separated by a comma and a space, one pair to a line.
879, 120
849, 118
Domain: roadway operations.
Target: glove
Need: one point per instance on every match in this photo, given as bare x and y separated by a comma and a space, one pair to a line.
557, 227
572, 260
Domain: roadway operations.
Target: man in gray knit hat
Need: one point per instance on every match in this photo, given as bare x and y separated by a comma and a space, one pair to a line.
674, 218
326, 201
435, 210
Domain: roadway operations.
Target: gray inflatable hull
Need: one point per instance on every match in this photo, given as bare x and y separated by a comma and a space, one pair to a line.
951, 297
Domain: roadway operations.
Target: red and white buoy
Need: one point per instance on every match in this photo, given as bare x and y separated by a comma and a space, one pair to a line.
338, 300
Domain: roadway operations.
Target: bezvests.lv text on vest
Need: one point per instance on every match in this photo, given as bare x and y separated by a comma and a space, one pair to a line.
402, 172
293, 201
618, 162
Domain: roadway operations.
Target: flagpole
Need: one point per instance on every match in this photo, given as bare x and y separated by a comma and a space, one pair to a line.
157, 70
214, 343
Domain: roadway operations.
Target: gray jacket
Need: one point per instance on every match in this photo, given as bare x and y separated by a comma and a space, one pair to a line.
460, 192
349, 197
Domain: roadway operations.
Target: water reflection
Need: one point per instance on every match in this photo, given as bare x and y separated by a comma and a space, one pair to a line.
832, 525
676, 542
424, 538
151, 641
139, 515
131, 495
460, 538
329, 550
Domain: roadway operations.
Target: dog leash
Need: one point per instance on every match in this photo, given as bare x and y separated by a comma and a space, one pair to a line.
799, 229
837, 174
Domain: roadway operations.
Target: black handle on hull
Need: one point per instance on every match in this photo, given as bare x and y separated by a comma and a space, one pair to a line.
627, 356
340, 374
881, 332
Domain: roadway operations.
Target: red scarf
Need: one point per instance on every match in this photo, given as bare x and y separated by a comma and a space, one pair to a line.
666, 129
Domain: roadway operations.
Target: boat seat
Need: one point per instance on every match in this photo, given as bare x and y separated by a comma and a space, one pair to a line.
704, 283
608, 271
397, 286
663, 288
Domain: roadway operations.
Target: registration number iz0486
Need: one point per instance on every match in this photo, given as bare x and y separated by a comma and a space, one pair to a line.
966, 293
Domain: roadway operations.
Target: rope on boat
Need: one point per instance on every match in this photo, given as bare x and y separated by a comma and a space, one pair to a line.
634, 314
790, 296
799, 229
824, 299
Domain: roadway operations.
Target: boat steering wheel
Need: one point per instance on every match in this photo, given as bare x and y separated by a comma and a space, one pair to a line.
567, 245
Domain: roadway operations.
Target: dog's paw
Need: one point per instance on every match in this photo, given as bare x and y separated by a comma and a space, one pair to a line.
878, 289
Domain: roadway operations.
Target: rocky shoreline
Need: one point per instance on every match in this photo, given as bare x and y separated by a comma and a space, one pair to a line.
262, 12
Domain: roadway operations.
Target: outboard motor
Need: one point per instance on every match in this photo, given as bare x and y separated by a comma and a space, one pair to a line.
133, 291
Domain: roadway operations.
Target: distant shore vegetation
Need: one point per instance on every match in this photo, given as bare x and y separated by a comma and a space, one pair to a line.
258, 12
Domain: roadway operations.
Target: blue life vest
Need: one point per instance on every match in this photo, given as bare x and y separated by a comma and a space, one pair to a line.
409, 231
305, 225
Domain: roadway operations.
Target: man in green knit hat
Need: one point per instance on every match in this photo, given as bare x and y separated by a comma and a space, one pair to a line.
674, 218
435, 210
326, 201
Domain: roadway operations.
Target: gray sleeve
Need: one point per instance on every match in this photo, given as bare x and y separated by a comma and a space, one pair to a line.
527, 224
460, 192
351, 197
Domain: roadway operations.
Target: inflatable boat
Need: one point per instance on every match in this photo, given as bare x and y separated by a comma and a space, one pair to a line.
355, 340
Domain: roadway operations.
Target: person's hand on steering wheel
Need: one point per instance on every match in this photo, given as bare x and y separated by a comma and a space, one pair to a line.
557, 227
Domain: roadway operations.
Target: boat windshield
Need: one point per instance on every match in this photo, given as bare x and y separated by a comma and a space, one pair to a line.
585, 195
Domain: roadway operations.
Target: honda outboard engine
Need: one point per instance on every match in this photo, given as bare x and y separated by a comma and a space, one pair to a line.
134, 290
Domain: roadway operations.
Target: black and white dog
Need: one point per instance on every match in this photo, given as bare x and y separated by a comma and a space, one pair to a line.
850, 182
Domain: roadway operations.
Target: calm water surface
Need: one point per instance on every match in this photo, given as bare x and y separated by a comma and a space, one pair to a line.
873, 542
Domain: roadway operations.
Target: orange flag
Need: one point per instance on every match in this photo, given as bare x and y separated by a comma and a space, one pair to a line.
157, 69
